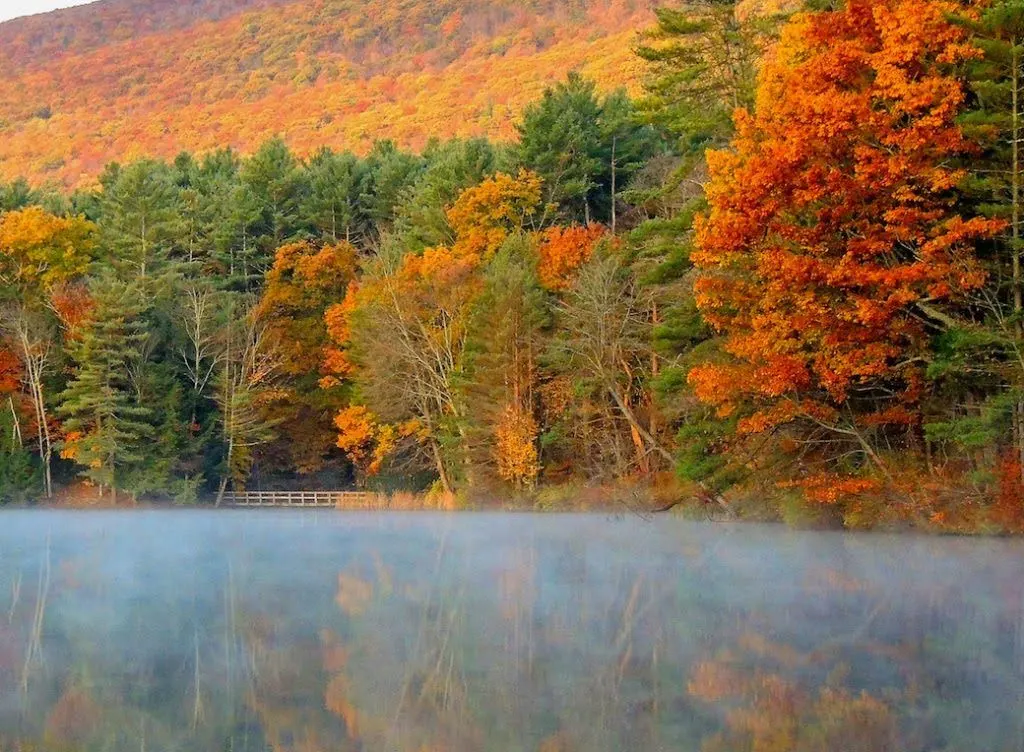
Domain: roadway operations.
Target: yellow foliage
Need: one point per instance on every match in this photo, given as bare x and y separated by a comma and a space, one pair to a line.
356, 431
515, 446
484, 216
40, 250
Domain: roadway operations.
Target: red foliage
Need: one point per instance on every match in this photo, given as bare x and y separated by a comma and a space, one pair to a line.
1009, 507
10, 372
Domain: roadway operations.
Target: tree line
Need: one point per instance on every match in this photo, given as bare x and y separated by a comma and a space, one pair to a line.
787, 274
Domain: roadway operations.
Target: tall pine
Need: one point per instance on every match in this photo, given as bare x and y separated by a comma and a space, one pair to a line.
106, 429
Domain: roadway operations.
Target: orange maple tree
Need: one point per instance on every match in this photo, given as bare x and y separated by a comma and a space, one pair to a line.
832, 241
303, 283
562, 250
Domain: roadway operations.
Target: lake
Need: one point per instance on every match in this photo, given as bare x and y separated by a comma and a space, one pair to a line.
307, 631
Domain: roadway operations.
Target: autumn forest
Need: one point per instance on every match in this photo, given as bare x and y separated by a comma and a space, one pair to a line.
757, 262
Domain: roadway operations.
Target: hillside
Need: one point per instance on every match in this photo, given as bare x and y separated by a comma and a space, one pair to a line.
127, 78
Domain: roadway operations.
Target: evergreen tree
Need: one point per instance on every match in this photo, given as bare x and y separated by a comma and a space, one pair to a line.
503, 353
105, 427
20, 474
16, 195
586, 149
702, 62
451, 168
389, 174
267, 205
140, 218
333, 206
701, 67
978, 354
560, 139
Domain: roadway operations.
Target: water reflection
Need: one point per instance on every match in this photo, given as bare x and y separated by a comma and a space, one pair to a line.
307, 632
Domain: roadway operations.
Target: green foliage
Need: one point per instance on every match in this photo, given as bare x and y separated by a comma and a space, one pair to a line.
16, 195
450, 168
106, 428
21, 478
702, 66
575, 141
333, 208
140, 216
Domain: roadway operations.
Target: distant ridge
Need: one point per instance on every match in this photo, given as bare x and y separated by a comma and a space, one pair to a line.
120, 79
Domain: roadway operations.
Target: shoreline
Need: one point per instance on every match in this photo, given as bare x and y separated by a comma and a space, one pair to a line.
687, 510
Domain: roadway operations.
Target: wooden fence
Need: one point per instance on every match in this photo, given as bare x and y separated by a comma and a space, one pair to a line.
320, 499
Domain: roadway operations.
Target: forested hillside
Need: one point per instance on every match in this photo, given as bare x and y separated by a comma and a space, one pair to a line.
124, 79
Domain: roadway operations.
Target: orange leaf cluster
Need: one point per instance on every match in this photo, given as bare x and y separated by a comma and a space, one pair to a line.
73, 306
830, 488
1009, 508
302, 284
832, 220
10, 372
484, 216
368, 443
562, 251
336, 363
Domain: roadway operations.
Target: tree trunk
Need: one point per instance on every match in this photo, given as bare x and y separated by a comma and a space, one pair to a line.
1018, 303
614, 140
442, 472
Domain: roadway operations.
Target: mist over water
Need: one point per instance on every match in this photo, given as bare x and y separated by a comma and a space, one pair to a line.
259, 630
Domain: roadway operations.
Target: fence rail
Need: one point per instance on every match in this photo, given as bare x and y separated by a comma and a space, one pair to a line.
324, 499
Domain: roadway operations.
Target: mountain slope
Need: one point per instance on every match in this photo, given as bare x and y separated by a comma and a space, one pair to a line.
126, 78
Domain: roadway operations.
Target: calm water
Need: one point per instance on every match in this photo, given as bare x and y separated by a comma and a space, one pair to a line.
312, 631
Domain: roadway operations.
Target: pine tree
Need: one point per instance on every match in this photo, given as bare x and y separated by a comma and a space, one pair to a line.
560, 139
273, 189
104, 426
503, 347
333, 207
140, 218
20, 474
979, 354
702, 67
389, 174
585, 148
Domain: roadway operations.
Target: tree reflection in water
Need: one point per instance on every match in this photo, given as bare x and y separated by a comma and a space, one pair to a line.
301, 633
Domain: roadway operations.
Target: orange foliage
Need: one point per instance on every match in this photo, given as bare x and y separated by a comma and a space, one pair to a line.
368, 443
770, 713
829, 488
117, 81
831, 221
356, 430
73, 305
336, 363
74, 719
354, 594
1009, 507
301, 286
484, 216
10, 372
563, 250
